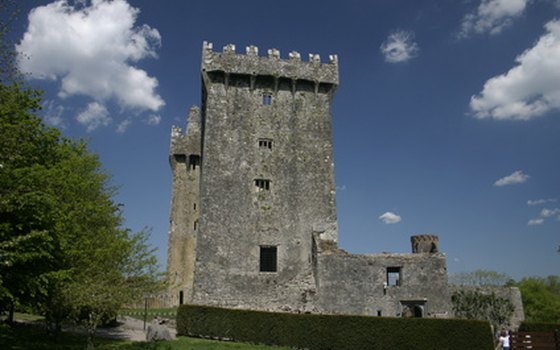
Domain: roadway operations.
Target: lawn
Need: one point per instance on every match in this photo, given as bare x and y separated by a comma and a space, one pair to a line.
34, 338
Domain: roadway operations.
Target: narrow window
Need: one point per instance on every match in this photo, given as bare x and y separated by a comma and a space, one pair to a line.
268, 259
265, 143
194, 161
195, 225
393, 276
267, 99
262, 185
181, 298
180, 158
194, 206
379, 313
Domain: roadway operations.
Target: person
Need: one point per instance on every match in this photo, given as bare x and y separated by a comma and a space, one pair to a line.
504, 340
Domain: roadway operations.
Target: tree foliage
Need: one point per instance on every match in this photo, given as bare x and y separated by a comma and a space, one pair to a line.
475, 305
541, 298
63, 250
480, 278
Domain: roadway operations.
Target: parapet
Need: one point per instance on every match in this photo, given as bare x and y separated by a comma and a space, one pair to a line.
425, 244
251, 63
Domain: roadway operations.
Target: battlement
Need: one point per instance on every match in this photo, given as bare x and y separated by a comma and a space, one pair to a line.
250, 63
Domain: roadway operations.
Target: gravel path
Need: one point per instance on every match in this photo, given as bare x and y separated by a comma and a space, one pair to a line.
129, 329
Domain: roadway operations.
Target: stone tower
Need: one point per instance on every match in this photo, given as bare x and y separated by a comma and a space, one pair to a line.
184, 158
266, 179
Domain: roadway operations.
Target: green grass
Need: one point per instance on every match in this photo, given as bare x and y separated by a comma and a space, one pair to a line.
170, 313
33, 338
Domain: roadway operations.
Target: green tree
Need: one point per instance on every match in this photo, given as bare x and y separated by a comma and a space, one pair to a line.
541, 298
480, 278
475, 305
63, 250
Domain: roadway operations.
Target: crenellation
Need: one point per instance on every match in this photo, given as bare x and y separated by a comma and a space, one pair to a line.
176, 131
333, 59
250, 63
314, 58
229, 49
252, 50
295, 56
274, 53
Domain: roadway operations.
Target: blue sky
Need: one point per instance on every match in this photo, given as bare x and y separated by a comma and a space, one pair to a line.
446, 120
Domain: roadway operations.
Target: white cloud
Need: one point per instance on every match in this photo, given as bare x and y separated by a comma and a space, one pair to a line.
52, 114
492, 16
534, 222
528, 90
341, 188
121, 128
153, 119
399, 47
90, 48
517, 177
389, 218
94, 116
541, 201
546, 213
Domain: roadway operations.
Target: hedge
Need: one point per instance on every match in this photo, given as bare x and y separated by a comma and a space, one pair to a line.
538, 327
336, 332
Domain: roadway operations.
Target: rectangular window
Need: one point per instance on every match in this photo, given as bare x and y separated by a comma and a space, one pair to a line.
262, 185
265, 143
268, 259
393, 276
267, 99
195, 225
194, 161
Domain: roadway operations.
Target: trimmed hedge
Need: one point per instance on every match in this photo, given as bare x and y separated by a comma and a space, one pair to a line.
538, 327
336, 332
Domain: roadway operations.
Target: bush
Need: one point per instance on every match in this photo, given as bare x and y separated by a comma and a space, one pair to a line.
539, 327
337, 332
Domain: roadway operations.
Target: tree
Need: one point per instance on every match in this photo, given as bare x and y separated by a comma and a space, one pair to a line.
481, 278
475, 305
63, 250
541, 298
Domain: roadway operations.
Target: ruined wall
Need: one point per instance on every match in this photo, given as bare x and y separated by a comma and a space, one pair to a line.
184, 158
267, 178
387, 284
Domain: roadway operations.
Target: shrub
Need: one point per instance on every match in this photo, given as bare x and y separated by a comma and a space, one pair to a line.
336, 332
539, 327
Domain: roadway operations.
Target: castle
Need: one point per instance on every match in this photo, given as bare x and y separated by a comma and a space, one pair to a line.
253, 214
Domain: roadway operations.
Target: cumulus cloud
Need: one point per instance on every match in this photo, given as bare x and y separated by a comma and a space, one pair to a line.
153, 119
52, 114
90, 47
528, 90
541, 201
389, 218
399, 47
94, 116
517, 177
121, 128
492, 16
537, 221
545, 214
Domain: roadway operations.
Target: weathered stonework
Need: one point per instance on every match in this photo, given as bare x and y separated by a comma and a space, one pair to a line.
253, 214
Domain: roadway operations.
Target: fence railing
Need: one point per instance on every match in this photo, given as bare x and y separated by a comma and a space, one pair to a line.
535, 341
